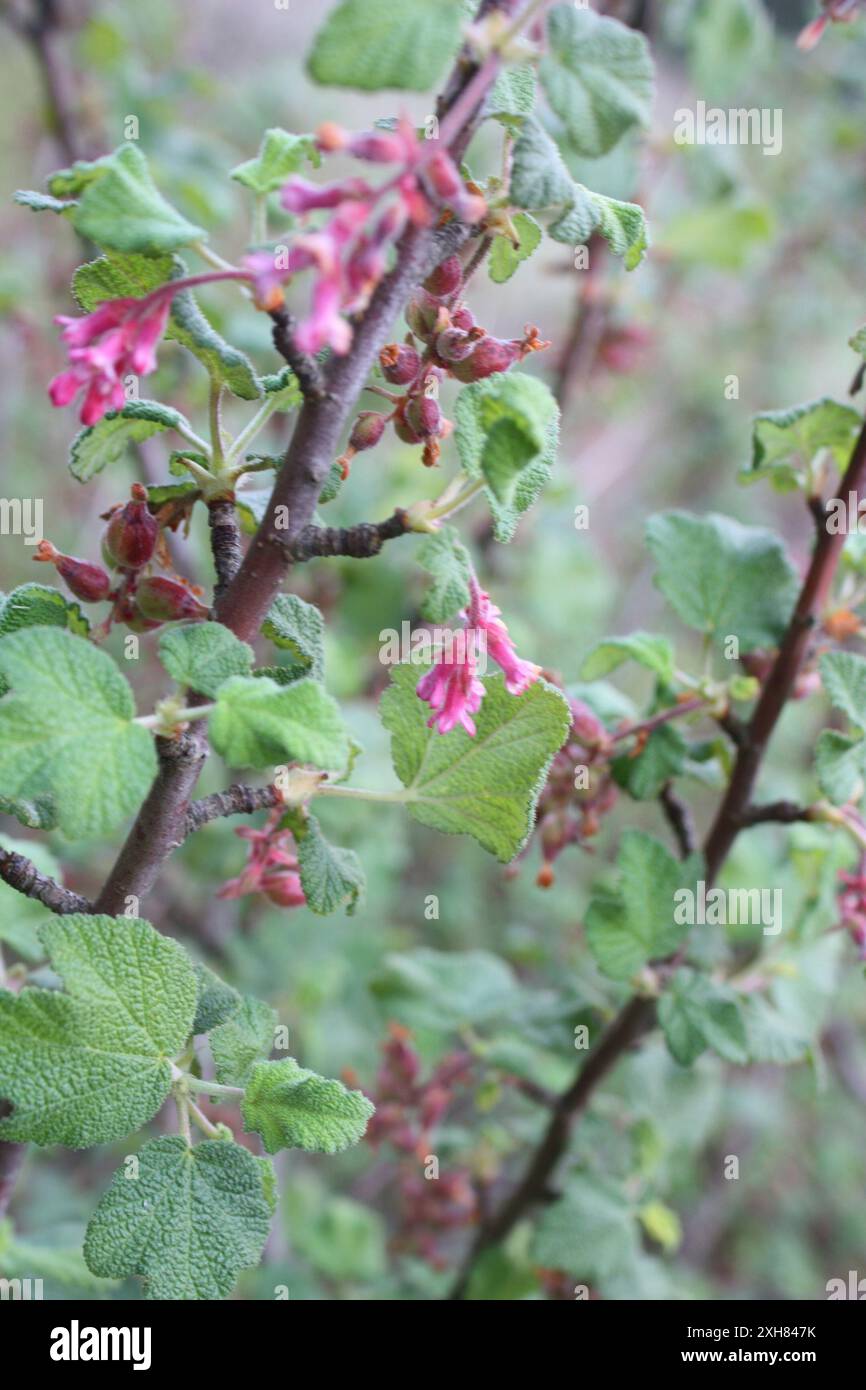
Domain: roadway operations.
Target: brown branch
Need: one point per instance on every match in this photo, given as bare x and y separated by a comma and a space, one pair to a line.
308, 371
236, 800
22, 874
783, 812
225, 543
40, 30
360, 542
679, 819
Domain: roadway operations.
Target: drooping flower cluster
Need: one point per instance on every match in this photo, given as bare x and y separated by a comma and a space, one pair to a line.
839, 11
408, 1111
272, 866
349, 253
451, 687
130, 547
115, 341
445, 341
852, 907
579, 791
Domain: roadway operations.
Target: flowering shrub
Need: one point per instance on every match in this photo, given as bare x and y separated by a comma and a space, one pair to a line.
362, 261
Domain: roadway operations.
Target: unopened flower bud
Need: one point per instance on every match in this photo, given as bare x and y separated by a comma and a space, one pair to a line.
455, 345
331, 137
367, 430
422, 314
463, 318
284, 889
131, 534
87, 582
424, 416
165, 600
400, 363
377, 146
491, 355
446, 279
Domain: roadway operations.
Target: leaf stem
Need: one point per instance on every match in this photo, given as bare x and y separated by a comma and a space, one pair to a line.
211, 1088
400, 794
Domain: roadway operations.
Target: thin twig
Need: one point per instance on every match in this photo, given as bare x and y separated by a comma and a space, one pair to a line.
360, 542
225, 543
22, 874
237, 800
308, 371
679, 819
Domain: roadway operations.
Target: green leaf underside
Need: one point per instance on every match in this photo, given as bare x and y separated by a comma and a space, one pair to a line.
723, 578
331, 877
513, 95
505, 257
542, 182
91, 1065
120, 206
507, 433
292, 1108
373, 45
633, 923
655, 653
98, 445
202, 656
486, 786
298, 629
188, 1224
597, 76
280, 154
216, 1002
258, 723
66, 731
245, 1038
786, 442
447, 561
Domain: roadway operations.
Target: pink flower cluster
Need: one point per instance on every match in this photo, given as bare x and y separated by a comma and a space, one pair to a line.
451, 687
349, 253
839, 11
852, 908
272, 867
116, 340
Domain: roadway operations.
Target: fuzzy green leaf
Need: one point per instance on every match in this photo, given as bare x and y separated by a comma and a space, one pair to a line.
655, 653
374, 45
598, 78
216, 1002
292, 1108
631, 924
723, 578
298, 629
330, 877
590, 1232
258, 723
447, 561
120, 206
38, 605
245, 1038
785, 442
92, 1064
843, 675
513, 95
280, 154
201, 656
226, 365
66, 730
117, 276
43, 202
507, 433
100, 444
695, 1013
840, 765
190, 1221
486, 786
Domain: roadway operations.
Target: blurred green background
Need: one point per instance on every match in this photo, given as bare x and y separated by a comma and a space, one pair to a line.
756, 271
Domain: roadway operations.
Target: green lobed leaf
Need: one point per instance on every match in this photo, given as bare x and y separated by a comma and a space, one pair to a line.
486, 786
447, 561
507, 431
655, 653
280, 154
43, 202
297, 628
661, 759
118, 276
374, 45
94, 447
120, 206
634, 923
201, 656
244, 1039
188, 1223
696, 1013
505, 257
590, 1232
330, 877
66, 730
292, 1108
723, 578
786, 442
446, 991
92, 1064
258, 723
597, 76
226, 365
843, 675
38, 605
38, 813
840, 765
513, 95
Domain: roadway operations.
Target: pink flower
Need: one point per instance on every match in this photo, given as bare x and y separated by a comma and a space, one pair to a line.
325, 327
839, 11
116, 340
300, 196
487, 618
272, 868
454, 693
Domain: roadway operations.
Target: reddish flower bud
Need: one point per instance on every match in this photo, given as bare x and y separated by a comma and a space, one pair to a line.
331, 137
87, 582
378, 147
446, 279
422, 314
400, 363
367, 431
166, 600
424, 417
284, 889
131, 534
463, 318
490, 356
455, 345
